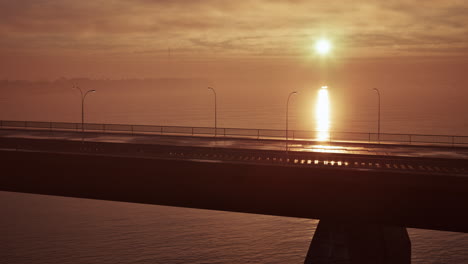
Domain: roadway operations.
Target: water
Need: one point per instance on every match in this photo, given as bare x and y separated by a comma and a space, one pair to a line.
46, 229
190, 103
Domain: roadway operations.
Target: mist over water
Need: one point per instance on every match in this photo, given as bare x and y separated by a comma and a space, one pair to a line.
187, 102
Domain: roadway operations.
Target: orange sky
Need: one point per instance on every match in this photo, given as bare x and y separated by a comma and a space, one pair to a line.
117, 38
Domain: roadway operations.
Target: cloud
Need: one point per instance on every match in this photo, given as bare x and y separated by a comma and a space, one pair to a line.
253, 27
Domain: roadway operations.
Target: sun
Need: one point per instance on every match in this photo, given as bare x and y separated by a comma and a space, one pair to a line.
323, 46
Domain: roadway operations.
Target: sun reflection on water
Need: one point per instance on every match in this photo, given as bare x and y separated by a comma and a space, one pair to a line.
322, 115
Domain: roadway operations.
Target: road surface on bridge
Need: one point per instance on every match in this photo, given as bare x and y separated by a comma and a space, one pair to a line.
248, 143
360, 156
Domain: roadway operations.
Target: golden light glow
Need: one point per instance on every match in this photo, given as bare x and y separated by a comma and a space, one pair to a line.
322, 115
322, 46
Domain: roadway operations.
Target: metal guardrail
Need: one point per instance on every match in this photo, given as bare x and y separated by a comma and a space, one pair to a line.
447, 140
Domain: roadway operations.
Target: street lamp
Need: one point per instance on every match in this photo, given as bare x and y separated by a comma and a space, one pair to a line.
83, 97
378, 124
212, 89
287, 121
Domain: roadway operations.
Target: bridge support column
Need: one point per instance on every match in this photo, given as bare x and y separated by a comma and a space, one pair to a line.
347, 243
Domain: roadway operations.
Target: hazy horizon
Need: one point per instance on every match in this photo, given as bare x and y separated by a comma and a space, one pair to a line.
187, 102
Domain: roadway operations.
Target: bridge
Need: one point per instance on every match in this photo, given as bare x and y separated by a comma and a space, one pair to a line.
365, 188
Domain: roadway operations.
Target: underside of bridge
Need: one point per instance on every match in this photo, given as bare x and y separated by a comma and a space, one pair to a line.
363, 213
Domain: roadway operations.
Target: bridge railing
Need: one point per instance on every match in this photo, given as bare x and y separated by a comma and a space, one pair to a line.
335, 136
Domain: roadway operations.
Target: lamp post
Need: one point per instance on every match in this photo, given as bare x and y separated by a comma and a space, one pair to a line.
83, 97
215, 118
287, 121
378, 124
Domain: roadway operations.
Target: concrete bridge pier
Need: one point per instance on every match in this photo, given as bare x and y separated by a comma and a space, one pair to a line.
351, 243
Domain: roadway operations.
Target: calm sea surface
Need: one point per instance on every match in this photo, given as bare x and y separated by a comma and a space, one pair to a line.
47, 229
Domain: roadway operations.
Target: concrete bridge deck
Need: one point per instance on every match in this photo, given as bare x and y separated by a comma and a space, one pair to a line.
426, 191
